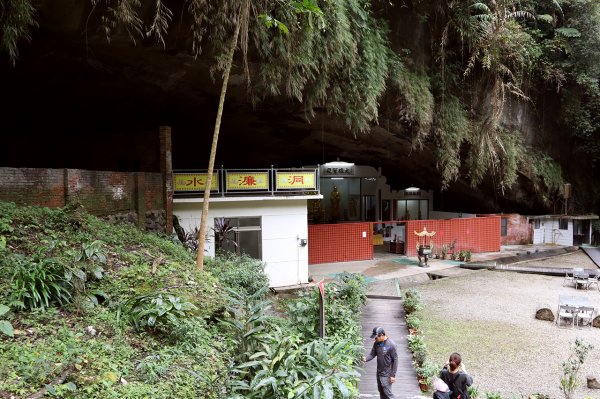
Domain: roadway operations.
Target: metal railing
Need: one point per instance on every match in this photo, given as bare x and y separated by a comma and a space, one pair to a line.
247, 182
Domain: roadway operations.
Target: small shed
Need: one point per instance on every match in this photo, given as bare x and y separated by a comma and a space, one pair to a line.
564, 230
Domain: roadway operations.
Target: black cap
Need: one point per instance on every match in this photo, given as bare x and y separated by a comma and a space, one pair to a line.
377, 331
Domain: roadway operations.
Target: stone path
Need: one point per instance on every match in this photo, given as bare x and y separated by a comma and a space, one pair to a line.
389, 314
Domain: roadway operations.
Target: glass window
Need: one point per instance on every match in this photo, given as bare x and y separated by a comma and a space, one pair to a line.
401, 209
239, 235
563, 224
423, 209
412, 209
503, 227
536, 224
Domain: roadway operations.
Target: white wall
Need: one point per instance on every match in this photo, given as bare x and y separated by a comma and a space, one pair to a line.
549, 233
284, 222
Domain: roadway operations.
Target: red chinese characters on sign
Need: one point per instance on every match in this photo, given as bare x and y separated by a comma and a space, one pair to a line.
247, 181
295, 179
195, 182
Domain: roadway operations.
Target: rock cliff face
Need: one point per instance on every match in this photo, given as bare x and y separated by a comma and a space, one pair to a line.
73, 100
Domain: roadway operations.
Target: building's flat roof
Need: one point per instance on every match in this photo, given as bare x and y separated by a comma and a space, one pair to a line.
574, 217
246, 198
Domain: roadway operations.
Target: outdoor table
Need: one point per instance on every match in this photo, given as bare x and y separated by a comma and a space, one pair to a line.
581, 278
573, 300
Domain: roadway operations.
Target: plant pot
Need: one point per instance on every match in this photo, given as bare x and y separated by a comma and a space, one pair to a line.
413, 331
423, 385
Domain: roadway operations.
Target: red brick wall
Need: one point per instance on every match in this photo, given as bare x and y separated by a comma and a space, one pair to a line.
25, 186
339, 242
518, 230
480, 234
100, 192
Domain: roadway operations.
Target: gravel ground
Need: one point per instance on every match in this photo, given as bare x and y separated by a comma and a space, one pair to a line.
488, 317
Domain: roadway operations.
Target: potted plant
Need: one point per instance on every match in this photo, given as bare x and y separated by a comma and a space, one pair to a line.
468, 255
461, 255
426, 373
413, 323
444, 252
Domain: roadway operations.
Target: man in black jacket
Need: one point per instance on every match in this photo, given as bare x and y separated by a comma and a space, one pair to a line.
387, 362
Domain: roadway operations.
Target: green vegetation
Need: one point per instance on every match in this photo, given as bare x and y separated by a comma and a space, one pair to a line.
105, 311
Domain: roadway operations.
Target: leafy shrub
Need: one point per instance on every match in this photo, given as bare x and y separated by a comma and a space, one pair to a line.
352, 290
6, 327
413, 322
344, 298
473, 392
417, 347
570, 378
411, 304
37, 283
152, 310
428, 371
240, 273
492, 395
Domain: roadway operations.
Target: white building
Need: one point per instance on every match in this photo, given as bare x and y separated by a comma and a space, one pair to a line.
267, 221
562, 229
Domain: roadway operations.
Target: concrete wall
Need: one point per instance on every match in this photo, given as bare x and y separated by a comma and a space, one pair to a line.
283, 223
549, 233
450, 215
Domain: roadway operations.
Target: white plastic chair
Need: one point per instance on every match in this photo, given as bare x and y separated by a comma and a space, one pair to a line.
568, 313
568, 277
594, 280
585, 315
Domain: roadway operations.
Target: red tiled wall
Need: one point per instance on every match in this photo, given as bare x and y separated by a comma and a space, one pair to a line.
339, 242
480, 234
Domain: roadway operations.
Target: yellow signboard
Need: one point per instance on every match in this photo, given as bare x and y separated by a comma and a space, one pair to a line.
248, 181
194, 182
296, 181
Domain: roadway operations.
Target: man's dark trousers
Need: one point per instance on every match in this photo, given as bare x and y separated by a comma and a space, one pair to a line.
385, 387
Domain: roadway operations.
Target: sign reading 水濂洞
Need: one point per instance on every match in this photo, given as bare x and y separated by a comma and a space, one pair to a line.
194, 182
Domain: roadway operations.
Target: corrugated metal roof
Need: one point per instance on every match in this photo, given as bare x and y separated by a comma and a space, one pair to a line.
574, 217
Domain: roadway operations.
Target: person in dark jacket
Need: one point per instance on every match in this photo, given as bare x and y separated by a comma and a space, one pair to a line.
384, 349
456, 377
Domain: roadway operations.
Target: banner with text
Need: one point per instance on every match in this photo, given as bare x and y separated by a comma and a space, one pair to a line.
194, 182
247, 181
296, 180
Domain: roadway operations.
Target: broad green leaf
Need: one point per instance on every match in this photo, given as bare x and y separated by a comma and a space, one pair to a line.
7, 328
265, 382
342, 387
4, 310
328, 389
50, 389
71, 386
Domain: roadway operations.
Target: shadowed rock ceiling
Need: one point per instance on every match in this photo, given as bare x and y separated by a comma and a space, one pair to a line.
100, 107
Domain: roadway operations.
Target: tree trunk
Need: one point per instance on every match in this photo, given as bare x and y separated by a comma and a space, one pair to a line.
213, 150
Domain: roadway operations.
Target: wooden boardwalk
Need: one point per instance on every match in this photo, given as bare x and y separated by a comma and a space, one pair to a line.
389, 314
